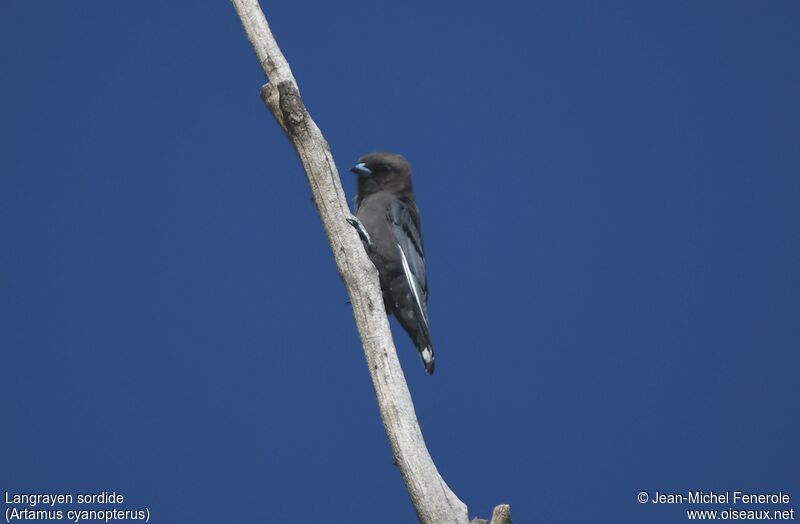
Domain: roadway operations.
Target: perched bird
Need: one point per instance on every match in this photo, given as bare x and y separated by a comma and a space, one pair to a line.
388, 222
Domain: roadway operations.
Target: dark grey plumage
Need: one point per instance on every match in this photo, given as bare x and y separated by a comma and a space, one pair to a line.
386, 207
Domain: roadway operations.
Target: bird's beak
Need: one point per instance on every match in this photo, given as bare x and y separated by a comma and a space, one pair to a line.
361, 169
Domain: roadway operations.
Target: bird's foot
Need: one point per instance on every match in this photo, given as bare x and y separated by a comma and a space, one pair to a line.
362, 232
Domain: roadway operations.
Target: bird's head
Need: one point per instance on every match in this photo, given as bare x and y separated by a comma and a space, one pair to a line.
382, 172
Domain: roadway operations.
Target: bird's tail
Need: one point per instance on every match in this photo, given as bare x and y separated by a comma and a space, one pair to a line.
427, 358
410, 311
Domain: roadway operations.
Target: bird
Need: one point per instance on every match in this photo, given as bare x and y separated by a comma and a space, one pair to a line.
387, 220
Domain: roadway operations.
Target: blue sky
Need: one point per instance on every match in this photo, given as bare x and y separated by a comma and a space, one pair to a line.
609, 196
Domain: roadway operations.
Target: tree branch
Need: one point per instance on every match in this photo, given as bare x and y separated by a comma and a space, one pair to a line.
433, 501
500, 515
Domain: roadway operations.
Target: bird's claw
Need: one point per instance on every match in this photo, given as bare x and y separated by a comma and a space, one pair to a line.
362, 232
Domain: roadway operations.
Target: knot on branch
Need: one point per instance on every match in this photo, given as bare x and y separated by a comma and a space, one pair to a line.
286, 106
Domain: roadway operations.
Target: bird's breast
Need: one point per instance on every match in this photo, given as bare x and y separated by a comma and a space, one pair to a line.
373, 215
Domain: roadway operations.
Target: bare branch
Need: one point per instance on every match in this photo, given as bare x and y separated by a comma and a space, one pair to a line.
433, 501
500, 515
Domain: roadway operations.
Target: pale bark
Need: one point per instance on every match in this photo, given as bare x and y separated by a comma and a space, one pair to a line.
500, 515
433, 500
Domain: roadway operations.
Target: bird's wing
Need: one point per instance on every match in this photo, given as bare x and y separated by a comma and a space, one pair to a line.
410, 291
409, 241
